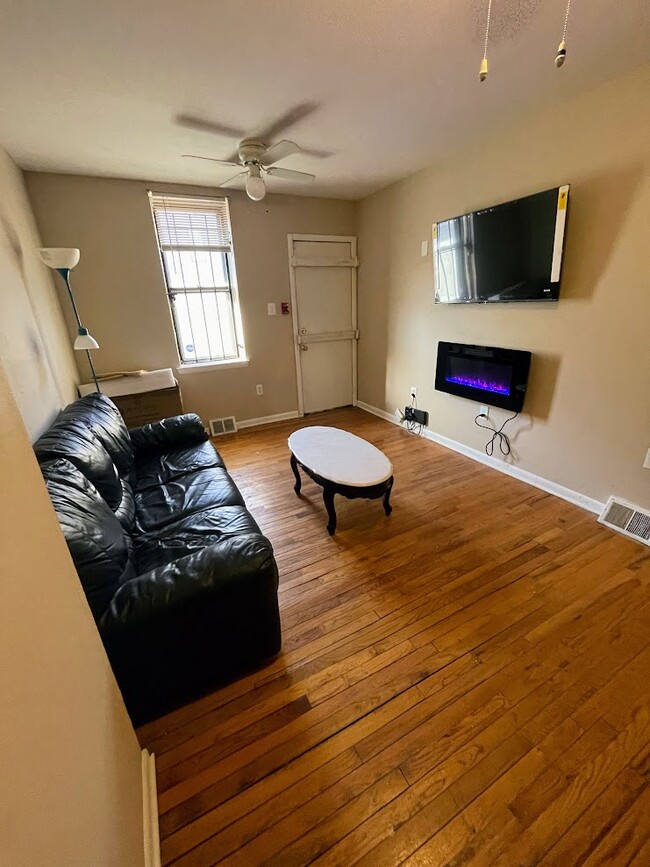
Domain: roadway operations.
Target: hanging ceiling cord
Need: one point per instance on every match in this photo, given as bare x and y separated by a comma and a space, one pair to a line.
484, 63
561, 49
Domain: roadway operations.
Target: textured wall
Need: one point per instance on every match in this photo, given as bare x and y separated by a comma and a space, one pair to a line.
587, 419
121, 293
71, 789
34, 344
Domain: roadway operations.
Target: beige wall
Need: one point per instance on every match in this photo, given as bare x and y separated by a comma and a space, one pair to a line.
71, 784
587, 420
34, 344
120, 290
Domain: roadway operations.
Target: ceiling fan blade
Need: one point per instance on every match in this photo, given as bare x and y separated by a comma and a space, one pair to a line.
279, 151
203, 125
233, 178
290, 175
316, 152
212, 160
288, 119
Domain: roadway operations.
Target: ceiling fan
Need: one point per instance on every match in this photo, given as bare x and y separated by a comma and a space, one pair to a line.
256, 160
253, 155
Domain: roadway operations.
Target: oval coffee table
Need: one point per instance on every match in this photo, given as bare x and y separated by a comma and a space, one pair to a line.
341, 463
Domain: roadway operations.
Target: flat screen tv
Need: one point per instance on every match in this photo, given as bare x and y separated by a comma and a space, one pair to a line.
511, 252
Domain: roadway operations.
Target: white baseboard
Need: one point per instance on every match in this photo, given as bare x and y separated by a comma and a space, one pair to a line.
150, 810
267, 419
554, 488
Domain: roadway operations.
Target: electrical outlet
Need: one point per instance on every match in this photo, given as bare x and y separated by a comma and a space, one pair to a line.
271, 309
419, 416
484, 410
259, 389
414, 392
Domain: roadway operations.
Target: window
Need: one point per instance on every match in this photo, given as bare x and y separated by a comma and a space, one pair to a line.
455, 245
198, 264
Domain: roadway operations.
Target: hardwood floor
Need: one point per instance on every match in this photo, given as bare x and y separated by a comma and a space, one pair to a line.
463, 682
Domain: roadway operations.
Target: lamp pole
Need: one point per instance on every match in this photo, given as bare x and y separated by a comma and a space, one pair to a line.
65, 273
63, 260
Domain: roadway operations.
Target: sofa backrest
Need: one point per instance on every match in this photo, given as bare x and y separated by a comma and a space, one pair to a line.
72, 439
106, 422
99, 547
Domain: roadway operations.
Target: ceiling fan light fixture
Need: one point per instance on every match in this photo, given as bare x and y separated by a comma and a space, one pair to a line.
255, 187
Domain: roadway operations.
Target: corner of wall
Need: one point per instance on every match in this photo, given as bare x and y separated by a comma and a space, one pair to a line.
34, 344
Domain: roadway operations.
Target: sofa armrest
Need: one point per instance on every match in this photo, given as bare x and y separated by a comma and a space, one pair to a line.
189, 582
177, 431
188, 627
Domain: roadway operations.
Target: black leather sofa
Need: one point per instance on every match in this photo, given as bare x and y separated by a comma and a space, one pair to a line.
180, 580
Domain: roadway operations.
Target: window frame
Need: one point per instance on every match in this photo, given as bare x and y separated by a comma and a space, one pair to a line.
173, 294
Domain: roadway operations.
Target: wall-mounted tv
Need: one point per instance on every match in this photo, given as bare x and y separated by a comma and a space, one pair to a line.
511, 252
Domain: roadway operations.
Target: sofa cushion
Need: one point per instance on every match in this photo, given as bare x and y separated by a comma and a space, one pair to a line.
72, 439
156, 469
185, 495
125, 512
94, 536
106, 422
190, 534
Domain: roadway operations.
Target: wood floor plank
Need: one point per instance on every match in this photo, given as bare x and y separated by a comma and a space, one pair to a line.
626, 838
465, 680
596, 822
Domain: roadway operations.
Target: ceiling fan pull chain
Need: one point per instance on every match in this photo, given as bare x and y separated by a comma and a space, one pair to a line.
561, 49
484, 63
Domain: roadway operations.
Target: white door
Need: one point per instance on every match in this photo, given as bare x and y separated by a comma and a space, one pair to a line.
323, 271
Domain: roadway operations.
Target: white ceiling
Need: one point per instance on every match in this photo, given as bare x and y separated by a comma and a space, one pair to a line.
94, 87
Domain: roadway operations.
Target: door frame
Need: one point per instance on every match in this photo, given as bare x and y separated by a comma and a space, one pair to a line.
353, 264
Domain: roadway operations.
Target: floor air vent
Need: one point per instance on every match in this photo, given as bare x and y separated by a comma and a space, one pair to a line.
628, 519
221, 426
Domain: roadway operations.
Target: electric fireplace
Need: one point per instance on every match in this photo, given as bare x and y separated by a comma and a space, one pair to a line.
487, 374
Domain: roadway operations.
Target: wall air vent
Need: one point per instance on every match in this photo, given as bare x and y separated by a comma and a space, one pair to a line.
221, 426
627, 518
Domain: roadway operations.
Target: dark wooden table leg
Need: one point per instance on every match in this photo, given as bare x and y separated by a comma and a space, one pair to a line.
294, 467
387, 506
328, 499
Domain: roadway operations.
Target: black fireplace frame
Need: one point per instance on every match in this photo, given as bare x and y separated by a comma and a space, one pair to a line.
516, 362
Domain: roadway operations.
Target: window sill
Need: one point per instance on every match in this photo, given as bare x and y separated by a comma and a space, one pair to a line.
210, 366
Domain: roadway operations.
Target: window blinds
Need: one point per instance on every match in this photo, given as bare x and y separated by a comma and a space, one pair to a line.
191, 222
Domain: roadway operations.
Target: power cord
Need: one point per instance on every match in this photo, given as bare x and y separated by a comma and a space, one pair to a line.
414, 427
497, 434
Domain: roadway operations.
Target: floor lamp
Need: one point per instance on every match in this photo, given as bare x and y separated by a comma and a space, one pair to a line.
63, 260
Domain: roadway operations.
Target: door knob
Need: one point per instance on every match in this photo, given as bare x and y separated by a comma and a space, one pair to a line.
304, 347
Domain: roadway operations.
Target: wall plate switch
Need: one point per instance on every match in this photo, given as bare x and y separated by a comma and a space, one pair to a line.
270, 308
646, 462
484, 410
259, 389
424, 249
284, 306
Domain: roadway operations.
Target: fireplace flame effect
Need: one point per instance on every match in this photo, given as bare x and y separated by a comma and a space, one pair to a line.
482, 384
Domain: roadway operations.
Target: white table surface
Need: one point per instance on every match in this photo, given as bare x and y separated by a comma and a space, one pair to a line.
151, 380
340, 457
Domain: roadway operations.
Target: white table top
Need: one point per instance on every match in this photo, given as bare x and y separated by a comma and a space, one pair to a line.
339, 456
150, 380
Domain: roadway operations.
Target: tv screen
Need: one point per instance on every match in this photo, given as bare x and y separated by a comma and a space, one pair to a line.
510, 252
